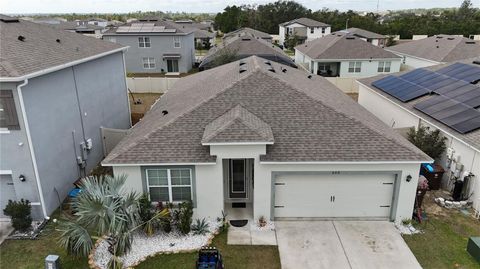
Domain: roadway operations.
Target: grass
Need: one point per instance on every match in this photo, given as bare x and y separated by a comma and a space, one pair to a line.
235, 257
444, 241
30, 254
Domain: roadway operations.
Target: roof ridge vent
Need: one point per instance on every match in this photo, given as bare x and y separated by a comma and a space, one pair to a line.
271, 69
350, 37
439, 36
476, 62
242, 69
246, 38
268, 63
451, 38
470, 42
8, 19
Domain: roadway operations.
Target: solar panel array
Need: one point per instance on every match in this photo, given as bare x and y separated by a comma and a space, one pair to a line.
144, 28
455, 89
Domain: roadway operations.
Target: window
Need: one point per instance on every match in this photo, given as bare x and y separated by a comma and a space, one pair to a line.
176, 42
172, 66
149, 63
8, 113
144, 42
323, 67
312, 30
323, 30
169, 185
354, 67
384, 66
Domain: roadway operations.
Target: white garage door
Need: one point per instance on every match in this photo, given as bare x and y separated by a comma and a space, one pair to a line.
7, 192
334, 196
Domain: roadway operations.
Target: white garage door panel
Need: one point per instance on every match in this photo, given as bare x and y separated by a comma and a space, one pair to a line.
326, 196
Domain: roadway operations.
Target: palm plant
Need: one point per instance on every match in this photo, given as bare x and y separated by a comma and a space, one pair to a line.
103, 209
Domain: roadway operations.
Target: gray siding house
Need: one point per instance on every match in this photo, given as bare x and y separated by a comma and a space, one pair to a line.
57, 89
155, 46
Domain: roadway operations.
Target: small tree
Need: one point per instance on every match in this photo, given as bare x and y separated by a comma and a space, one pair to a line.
430, 142
20, 214
225, 56
291, 41
104, 209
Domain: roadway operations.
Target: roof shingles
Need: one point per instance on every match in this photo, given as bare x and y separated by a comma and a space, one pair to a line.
310, 119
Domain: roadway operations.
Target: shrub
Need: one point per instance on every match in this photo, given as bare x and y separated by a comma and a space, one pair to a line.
20, 212
200, 227
430, 142
183, 217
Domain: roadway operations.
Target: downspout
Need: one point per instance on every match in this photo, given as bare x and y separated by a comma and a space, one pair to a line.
30, 145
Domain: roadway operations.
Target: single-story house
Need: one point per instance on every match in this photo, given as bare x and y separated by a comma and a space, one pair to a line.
272, 140
249, 32
436, 50
370, 37
243, 47
305, 29
444, 97
345, 55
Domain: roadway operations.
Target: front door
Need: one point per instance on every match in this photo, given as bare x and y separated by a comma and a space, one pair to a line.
237, 183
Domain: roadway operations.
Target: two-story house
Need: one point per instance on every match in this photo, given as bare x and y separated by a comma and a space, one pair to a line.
304, 29
57, 89
155, 46
345, 55
370, 37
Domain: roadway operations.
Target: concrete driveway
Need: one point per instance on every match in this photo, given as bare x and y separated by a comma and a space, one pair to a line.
342, 244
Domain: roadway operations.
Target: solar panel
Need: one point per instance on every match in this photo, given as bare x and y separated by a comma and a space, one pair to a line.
456, 97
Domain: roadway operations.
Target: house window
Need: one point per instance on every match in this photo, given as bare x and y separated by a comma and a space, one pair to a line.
354, 67
323, 67
323, 30
149, 63
172, 66
144, 42
312, 30
176, 42
384, 67
169, 185
8, 113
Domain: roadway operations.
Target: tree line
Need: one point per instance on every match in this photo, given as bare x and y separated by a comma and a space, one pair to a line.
464, 20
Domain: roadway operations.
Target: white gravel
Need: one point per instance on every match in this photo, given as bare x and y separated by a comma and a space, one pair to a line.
407, 229
144, 246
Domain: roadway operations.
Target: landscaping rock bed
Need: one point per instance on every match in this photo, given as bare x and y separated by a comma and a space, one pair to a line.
144, 246
269, 226
32, 233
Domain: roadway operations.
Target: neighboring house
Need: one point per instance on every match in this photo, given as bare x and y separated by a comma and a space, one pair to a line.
204, 25
441, 97
235, 48
344, 55
436, 50
248, 32
273, 141
155, 46
57, 90
370, 37
76, 27
304, 28
98, 22
204, 38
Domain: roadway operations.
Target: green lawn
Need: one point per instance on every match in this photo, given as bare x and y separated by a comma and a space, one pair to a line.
444, 241
30, 254
235, 257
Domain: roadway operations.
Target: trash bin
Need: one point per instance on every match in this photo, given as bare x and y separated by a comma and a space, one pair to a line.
433, 173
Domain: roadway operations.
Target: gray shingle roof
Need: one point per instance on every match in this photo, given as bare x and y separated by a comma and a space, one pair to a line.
199, 33
310, 119
40, 49
362, 33
471, 138
246, 46
237, 125
246, 31
306, 22
440, 48
343, 46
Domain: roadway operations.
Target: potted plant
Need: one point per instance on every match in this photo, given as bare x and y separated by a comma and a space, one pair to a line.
262, 222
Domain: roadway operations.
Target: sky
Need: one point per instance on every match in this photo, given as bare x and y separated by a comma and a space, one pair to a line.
203, 6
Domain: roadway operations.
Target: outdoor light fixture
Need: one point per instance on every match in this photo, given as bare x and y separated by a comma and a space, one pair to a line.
22, 178
409, 178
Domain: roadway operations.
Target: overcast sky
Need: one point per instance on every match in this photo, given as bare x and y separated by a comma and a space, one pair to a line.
209, 6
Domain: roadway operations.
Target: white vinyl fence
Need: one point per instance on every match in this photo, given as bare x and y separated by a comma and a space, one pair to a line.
150, 84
